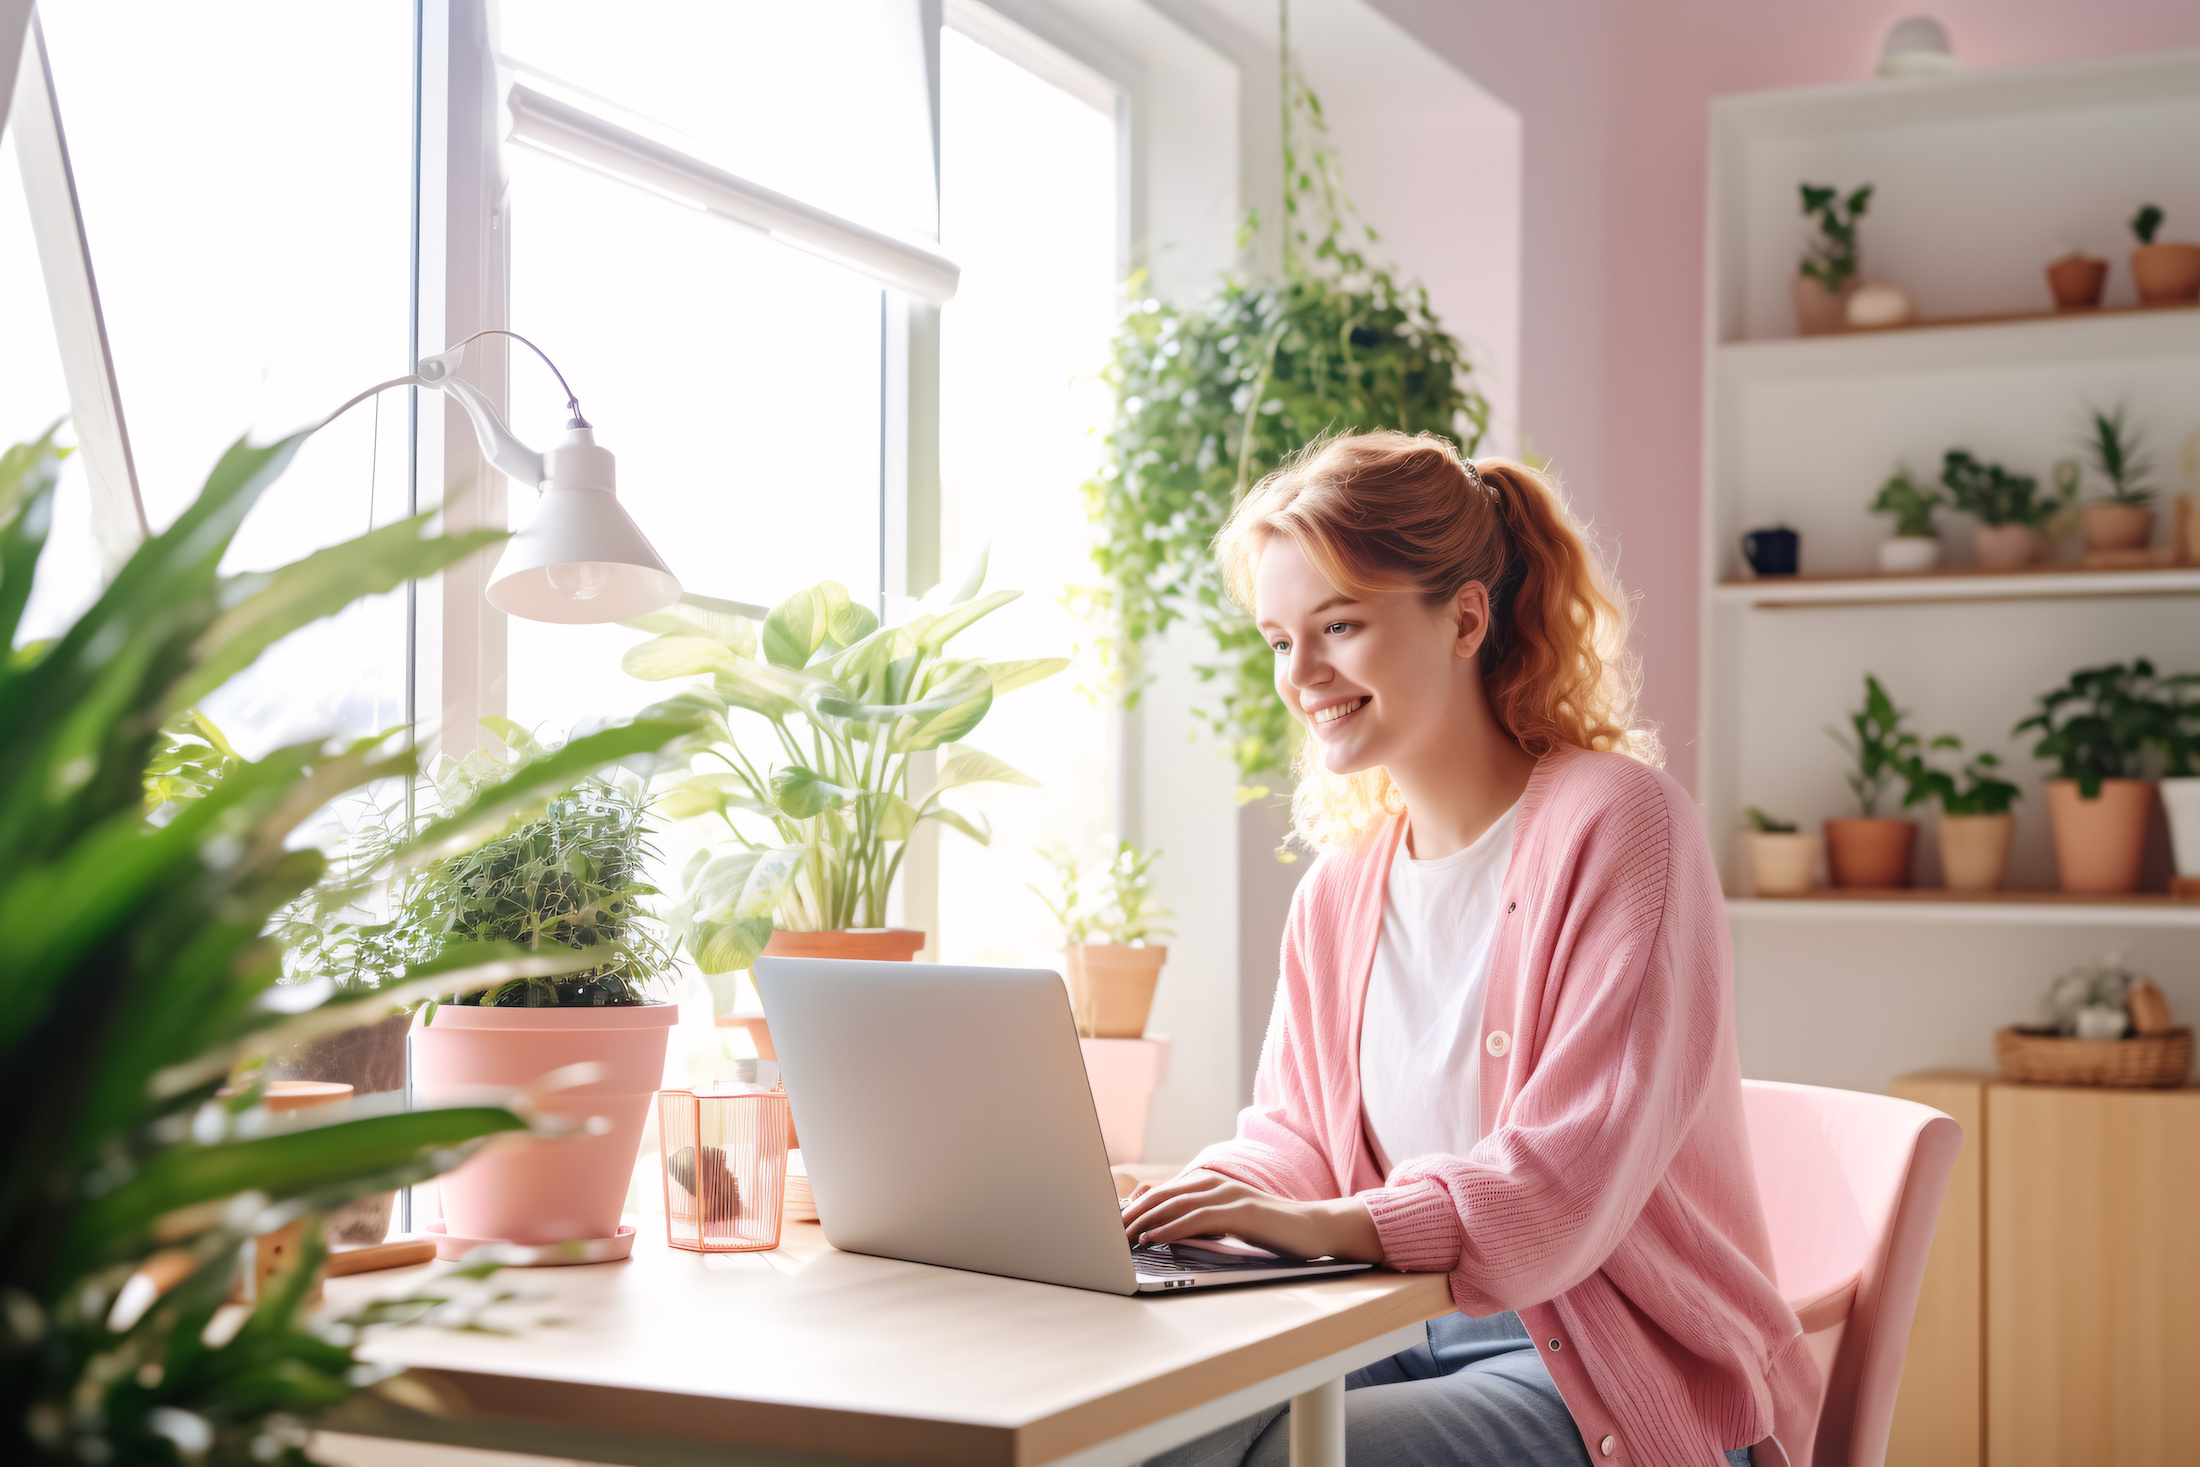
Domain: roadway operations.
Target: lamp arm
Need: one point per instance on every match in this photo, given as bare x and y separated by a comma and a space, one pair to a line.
497, 443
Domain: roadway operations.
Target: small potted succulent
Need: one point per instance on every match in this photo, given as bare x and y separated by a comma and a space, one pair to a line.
1873, 850
1827, 275
1782, 860
2099, 729
1915, 545
1108, 959
1975, 824
2165, 274
2124, 521
2008, 507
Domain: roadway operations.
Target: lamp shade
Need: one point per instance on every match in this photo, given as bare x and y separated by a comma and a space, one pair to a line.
582, 560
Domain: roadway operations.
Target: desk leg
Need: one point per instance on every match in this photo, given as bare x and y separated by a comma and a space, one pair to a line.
1317, 1426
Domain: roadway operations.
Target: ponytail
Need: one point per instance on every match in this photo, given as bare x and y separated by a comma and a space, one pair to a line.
1387, 512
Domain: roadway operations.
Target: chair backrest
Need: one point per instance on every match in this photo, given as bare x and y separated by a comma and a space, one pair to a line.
1851, 1185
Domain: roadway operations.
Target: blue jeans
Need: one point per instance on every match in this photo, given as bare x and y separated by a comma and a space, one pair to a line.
1476, 1393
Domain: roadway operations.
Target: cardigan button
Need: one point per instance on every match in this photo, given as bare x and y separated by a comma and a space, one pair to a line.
1554, 1344
1510, 906
1497, 1043
1606, 1446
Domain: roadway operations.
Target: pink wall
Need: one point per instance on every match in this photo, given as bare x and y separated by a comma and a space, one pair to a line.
1614, 100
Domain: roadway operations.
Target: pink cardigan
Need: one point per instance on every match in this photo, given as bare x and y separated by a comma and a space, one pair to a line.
1611, 1199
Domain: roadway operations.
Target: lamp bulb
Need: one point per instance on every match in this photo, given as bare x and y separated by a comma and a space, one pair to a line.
582, 580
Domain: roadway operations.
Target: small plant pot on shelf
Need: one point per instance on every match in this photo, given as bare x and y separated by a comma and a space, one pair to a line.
2100, 843
866, 944
2118, 526
2166, 274
1871, 852
2043, 1057
2007, 547
1111, 987
1908, 555
556, 1189
2181, 801
1974, 851
1818, 311
370, 1058
1782, 862
2076, 280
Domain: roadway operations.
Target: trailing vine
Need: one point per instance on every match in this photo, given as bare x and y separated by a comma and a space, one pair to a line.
1211, 398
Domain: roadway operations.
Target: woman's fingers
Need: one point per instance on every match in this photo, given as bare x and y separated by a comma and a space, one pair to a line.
1146, 1198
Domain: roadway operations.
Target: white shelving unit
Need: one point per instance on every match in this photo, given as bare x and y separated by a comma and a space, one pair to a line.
1979, 180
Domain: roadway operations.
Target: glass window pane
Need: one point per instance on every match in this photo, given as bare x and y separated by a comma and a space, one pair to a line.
738, 382
246, 180
1028, 200
823, 102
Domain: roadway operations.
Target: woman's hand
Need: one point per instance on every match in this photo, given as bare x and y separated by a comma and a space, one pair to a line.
1204, 1204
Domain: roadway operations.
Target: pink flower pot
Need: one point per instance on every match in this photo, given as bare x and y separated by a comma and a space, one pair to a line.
2006, 547
546, 1189
2100, 843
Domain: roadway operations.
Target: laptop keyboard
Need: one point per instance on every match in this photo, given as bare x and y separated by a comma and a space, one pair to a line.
1180, 1258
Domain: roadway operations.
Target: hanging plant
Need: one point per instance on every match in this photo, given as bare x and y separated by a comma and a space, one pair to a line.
1211, 398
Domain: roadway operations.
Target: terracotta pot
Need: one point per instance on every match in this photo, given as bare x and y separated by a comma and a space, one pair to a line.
1908, 555
1873, 851
1111, 987
2166, 274
547, 1189
371, 1060
2007, 547
278, 1252
2099, 843
1818, 311
1974, 851
1782, 862
2075, 280
866, 944
2118, 526
2181, 798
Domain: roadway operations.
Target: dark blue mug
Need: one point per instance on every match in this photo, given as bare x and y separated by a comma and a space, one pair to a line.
1773, 552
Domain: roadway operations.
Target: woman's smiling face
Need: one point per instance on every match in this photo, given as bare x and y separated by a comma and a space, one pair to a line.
1376, 678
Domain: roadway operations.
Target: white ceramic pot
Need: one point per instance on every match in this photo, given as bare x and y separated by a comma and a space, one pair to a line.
2181, 798
1907, 555
1782, 863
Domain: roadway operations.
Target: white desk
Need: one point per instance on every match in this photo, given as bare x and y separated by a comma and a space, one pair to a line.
811, 1355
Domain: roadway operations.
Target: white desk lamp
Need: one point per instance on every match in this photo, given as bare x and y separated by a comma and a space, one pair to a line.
583, 559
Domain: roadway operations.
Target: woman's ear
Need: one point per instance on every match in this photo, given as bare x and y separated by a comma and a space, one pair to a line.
1471, 616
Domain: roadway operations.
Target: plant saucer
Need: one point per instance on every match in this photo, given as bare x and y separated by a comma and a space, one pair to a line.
451, 1247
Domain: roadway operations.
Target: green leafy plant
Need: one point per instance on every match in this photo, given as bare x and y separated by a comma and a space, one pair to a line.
819, 836
1977, 788
2114, 448
1877, 741
1993, 494
1123, 914
1212, 397
2105, 721
1911, 506
1765, 824
2145, 222
1831, 257
136, 983
191, 753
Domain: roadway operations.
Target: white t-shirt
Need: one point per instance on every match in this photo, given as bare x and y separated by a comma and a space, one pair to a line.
1421, 1034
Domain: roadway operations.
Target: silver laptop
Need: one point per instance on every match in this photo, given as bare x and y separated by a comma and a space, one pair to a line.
945, 1118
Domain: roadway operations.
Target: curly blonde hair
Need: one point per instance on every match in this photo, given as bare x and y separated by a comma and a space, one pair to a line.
1388, 512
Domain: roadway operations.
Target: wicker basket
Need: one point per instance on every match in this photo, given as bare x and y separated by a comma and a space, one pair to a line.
2043, 1057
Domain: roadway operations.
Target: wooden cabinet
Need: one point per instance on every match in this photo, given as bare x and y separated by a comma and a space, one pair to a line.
2060, 1320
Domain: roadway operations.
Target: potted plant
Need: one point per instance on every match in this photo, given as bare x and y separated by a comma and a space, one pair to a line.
1915, 545
2076, 280
1873, 850
818, 838
1975, 824
2098, 728
1782, 859
2124, 521
2180, 783
2007, 506
2165, 274
1827, 274
1108, 962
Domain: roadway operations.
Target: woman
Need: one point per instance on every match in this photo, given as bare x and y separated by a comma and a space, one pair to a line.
1502, 1047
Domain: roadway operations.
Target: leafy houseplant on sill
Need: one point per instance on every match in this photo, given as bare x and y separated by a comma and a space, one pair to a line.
1873, 850
139, 985
2099, 729
1108, 962
1827, 274
819, 837
2007, 506
1915, 545
1782, 859
1975, 824
2122, 525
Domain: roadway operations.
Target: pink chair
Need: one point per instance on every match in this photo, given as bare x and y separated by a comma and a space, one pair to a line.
1851, 1186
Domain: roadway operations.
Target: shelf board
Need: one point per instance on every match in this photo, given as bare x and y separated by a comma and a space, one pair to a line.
1971, 342
1985, 908
1960, 583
